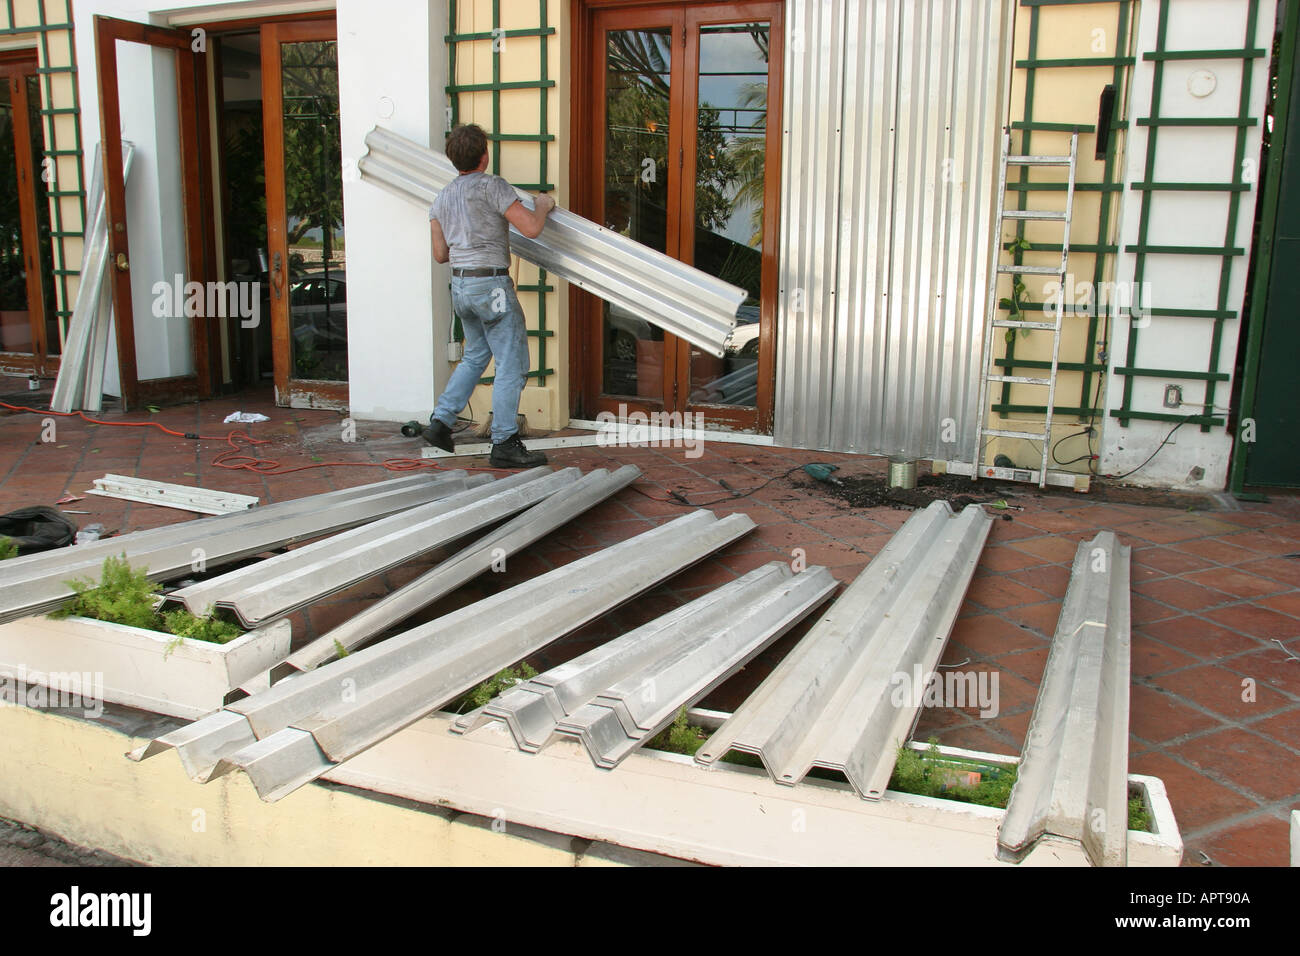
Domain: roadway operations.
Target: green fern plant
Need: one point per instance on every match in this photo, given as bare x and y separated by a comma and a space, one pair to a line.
930, 774
498, 684
679, 737
124, 595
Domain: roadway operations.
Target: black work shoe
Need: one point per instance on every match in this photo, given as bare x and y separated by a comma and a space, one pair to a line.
438, 435
511, 453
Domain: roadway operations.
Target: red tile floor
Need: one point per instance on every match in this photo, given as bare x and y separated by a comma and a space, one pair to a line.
1216, 592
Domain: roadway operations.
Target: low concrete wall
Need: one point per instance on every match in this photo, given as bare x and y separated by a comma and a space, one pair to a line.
68, 776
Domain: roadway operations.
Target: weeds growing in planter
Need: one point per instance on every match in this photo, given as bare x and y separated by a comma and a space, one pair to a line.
496, 684
679, 737
683, 737
126, 596
1139, 818
929, 773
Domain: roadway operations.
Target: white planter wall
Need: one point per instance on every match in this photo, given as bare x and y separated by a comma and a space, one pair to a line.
140, 668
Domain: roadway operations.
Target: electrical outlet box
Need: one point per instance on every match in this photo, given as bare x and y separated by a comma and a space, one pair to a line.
1173, 396
455, 351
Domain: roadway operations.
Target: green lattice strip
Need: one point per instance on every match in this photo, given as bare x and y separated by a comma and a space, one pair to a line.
59, 230
1234, 190
1109, 187
543, 138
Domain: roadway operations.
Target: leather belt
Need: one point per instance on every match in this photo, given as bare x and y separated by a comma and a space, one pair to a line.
478, 273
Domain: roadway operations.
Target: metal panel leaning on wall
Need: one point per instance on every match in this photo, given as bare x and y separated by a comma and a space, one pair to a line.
888, 188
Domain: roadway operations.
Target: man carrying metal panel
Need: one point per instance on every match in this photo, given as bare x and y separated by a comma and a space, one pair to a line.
470, 222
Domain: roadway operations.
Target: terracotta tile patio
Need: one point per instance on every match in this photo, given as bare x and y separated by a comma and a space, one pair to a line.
1215, 702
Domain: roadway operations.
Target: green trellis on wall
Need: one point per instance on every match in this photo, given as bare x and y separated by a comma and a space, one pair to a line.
1092, 361
52, 148
497, 36
1111, 186
1227, 253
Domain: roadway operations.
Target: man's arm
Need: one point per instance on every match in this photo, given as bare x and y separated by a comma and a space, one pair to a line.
441, 251
530, 222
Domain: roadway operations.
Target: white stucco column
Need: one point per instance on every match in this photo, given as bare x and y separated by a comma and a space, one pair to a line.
392, 71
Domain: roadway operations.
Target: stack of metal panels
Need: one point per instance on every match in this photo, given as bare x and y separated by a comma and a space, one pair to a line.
660, 289
1073, 776
80, 382
37, 583
832, 702
268, 589
490, 551
297, 730
615, 697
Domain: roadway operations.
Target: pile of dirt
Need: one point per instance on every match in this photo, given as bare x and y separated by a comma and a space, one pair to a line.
873, 491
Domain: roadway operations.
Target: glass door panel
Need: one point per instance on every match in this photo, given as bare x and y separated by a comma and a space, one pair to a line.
27, 318
730, 179
638, 68
44, 241
15, 312
313, 185
304, 213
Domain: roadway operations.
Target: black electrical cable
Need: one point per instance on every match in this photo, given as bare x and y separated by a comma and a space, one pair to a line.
1157, 451
678, 498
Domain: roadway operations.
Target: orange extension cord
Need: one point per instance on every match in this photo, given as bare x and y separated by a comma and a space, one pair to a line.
237, 460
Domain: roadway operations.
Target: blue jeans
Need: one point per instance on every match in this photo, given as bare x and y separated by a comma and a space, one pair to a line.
493, 322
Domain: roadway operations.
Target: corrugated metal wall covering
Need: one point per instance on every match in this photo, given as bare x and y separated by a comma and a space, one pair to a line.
893, 111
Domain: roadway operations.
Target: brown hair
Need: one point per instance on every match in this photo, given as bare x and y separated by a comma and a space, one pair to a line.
466, 145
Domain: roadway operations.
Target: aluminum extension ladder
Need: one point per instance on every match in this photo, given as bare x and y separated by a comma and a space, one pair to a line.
994, 321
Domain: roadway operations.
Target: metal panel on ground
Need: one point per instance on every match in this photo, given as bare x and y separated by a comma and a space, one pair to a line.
278, 585
1073, 778
665, 292
618, 695
37, 583
541, 519
887, 197
297, 730
834, 701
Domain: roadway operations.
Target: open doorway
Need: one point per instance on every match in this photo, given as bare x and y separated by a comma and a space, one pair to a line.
279, 169
261, 205
241, 174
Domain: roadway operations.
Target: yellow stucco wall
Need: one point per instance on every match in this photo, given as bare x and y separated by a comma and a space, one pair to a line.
520, 113
58, 92
1060, 95
70, 777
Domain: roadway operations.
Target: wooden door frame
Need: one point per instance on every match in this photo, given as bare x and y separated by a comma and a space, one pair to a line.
195, 157
586, 179
15, 67
331, 394
589, 178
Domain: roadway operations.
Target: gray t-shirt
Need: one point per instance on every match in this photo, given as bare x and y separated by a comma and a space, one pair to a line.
471, 211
